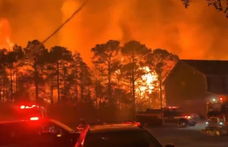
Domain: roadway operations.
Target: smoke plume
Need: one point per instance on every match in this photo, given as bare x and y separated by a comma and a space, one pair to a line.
5, 33
199, 32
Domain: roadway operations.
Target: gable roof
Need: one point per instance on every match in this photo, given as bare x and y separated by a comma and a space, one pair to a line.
209, 67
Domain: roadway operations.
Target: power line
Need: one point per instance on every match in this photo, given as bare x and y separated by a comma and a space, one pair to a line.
60, 27
64, 23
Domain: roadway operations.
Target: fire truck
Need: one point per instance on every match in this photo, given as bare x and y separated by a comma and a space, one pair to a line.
23, 112
27, 125
167, 116
217, 115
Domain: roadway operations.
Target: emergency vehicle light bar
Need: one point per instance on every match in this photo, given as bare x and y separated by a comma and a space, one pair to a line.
28, 107
34, 118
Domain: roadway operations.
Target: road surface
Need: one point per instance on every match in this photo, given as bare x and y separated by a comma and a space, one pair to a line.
188, 137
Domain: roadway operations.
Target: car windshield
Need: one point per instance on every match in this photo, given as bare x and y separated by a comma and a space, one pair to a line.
65, 127
139, 138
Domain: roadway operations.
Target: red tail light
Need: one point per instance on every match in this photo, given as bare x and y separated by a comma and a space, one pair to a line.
34, 118
188, 117
138, 123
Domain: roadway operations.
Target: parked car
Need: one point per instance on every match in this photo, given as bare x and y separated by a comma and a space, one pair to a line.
37, 132
128, 134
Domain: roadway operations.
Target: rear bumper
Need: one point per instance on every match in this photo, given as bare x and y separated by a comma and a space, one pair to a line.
211, 132
214, 131
192, 122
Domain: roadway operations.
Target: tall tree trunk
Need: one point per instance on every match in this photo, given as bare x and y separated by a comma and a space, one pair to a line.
96, 92
159, 72
51, 91
36, 80
133, 95
109, 84
160, 87
81, 88
133, 87
76, 76
76, 86
58, 88
16, 82
11, 83
64, 83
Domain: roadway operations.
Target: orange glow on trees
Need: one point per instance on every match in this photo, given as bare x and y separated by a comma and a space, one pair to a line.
105, 60
135, 72
124, 75
134, 54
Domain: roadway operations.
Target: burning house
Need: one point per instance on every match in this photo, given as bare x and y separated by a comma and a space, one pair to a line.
192, 82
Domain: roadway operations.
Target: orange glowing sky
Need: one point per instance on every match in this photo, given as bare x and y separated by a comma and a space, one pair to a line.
199, 32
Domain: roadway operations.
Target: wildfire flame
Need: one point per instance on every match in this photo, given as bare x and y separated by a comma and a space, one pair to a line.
5, 32
146, 83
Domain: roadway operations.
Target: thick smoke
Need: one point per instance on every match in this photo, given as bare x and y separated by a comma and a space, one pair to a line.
199, 32
32, 19
5, 32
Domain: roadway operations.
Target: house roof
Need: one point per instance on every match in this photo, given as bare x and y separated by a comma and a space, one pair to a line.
209, 67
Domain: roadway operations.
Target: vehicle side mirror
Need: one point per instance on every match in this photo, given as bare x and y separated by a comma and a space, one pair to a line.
169, 145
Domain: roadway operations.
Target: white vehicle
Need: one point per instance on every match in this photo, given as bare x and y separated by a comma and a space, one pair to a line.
217, 114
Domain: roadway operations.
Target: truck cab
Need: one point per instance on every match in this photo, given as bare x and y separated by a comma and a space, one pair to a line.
171, 115
217, 115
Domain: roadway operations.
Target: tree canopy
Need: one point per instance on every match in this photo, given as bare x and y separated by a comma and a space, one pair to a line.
122, 76
220, 5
